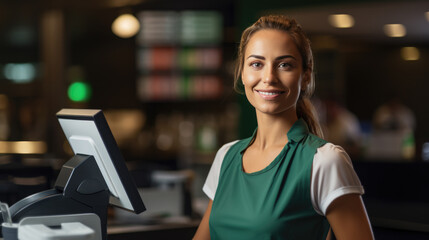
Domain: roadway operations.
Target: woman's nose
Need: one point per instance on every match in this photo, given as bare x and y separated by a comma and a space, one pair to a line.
269, 75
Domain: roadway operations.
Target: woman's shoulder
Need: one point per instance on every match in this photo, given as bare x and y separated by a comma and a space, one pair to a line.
220, 154
329, 148
332, 176
313, 141
331, 155
227, 146
236, 143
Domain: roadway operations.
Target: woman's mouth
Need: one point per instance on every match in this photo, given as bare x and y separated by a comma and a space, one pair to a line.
269, 95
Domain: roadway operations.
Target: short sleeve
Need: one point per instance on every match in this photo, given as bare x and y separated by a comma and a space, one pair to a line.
212, 180
332, 176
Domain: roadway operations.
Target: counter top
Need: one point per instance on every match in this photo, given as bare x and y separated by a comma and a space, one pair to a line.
161, 231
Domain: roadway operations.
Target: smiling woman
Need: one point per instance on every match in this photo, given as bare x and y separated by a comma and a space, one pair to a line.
303, 58
272, 76
285, 181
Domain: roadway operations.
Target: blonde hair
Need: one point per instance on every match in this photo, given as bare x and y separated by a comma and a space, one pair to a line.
305, 108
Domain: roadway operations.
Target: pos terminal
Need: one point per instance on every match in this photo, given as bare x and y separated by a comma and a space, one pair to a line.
94, 178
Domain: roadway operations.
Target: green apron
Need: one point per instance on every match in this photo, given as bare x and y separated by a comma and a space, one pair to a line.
274, 203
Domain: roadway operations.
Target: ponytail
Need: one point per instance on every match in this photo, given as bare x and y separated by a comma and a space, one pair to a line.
307, 112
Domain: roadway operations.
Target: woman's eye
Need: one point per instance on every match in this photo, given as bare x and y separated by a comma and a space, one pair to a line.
284, 65
256, 64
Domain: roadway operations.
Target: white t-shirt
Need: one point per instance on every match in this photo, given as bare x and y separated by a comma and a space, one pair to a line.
332, 176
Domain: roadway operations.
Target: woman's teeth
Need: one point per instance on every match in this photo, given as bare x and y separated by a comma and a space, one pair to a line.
269, 93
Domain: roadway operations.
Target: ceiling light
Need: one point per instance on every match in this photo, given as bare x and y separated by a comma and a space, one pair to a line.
394, 30
125, 26
410, 53
341, 20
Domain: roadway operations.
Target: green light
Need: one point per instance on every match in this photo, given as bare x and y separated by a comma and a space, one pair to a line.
79, 92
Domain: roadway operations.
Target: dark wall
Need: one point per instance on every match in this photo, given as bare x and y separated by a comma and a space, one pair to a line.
376, 73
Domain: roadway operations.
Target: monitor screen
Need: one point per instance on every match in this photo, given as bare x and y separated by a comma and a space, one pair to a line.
88, 133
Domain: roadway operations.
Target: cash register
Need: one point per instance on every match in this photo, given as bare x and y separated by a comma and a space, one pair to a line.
94, 178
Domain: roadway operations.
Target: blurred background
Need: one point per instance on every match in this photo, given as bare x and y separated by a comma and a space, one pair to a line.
162, 72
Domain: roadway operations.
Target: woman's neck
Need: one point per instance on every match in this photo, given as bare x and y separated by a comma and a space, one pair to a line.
272, 129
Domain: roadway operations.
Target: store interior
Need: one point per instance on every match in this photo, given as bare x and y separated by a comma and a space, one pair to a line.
164, 80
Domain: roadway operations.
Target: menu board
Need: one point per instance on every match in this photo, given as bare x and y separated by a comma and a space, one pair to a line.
179, 55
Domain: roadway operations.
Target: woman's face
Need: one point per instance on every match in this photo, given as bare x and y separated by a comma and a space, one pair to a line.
272, 73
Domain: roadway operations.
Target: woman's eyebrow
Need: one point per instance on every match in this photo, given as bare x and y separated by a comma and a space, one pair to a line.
256, 56
277, 58
285, 56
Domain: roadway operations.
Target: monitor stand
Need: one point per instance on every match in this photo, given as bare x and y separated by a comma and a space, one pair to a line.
80, 188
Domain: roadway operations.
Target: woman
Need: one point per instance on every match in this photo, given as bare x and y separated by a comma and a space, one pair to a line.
284, 182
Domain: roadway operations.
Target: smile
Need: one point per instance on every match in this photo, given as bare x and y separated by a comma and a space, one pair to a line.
269, 95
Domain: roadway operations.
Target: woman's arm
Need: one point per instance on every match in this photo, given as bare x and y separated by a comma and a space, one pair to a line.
203, 231
348, 218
